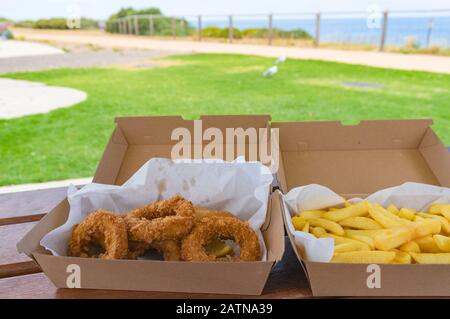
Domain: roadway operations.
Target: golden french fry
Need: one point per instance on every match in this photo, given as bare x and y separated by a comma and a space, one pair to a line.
393, 209
359, 209
306, 227
409, 247
342, 240
440, 258
308, 214
365, 239
360, 232
407, 213
427, 244
440, 209
418, 218
401, 257
360, 223
333, 209
426, 227
364, 257
443, 242
347, 204
345, 247
328, 225
384, 217
387, 239
444, 222
318, 231
298, 222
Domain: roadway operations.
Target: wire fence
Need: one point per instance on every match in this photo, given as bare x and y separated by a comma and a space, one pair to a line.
424, 29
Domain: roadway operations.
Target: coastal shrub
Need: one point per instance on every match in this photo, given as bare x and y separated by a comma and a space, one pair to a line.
162, 25
216, 32
277, 33
61, 24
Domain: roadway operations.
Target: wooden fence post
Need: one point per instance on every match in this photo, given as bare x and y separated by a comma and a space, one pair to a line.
151, 27
230, 29
199, 28
130, 25
384, 30
317, 38
429, 29
270, 30
174, 27
136, 25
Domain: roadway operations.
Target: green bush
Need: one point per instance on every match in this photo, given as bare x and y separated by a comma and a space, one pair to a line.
216, 32
24, 24
61, 24
89, 24
212, 32
277, 33
162, 25
53, 23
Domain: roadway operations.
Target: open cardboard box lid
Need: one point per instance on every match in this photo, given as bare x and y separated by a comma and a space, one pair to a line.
358, 160
134, 141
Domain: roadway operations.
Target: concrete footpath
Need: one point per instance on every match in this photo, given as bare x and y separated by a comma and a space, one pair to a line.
415, 62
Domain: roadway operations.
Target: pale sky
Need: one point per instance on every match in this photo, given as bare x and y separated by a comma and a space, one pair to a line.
101, 9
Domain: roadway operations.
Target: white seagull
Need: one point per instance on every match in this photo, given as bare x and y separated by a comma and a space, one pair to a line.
270, 71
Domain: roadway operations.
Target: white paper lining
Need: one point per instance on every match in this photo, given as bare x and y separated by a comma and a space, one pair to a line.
239, 187
412, 195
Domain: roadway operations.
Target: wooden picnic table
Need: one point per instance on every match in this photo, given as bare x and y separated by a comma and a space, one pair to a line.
21, 277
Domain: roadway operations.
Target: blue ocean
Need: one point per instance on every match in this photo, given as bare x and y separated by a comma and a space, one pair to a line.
421, 31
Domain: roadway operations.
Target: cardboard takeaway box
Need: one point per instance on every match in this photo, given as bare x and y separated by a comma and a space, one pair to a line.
355, 161
133, 142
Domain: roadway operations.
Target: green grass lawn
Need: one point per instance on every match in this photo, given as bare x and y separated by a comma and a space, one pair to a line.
68, 143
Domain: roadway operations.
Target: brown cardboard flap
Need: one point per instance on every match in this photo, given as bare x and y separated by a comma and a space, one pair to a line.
360, 159
135, 140
30, 243
157, 130
234, 121
273, 229
367, 135
437, 157
329, 279
247, 278
112, 158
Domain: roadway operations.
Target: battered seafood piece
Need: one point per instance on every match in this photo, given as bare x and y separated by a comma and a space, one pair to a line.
212, 227
101, 229
172, 218
201, 212
170, 249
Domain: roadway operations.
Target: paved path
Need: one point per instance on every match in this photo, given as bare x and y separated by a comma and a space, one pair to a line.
13, 48
85, 58
19, 98
385, 60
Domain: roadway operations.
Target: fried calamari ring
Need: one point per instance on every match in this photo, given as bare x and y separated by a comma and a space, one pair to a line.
201, 212
209, 228
169, 248
172, 218
100, 228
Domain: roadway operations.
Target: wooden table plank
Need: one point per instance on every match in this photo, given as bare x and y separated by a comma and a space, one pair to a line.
10, 235
30, 202
287, 280
19, 269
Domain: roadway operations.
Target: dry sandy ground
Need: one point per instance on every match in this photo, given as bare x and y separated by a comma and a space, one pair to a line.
378, 59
